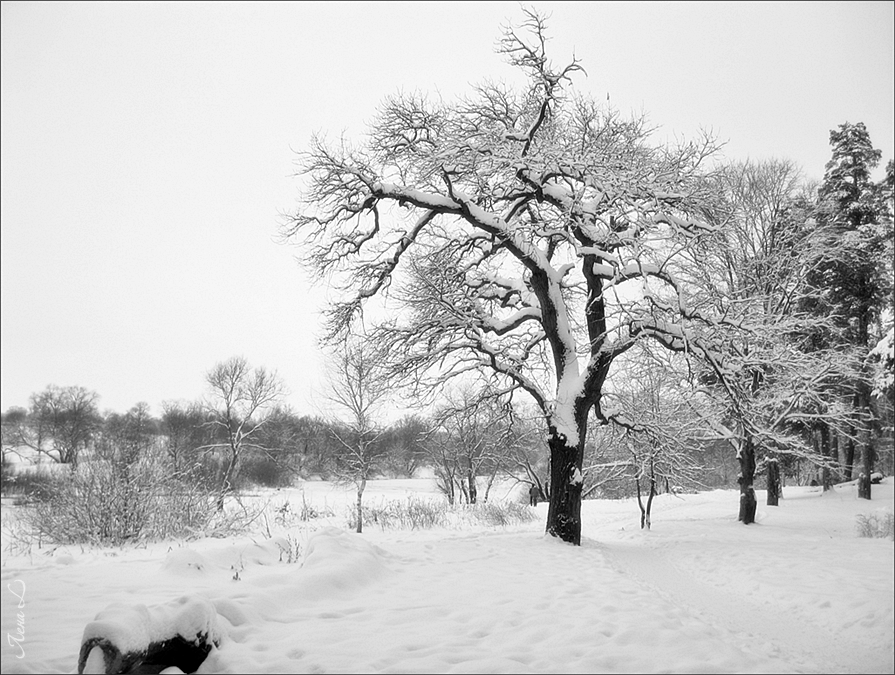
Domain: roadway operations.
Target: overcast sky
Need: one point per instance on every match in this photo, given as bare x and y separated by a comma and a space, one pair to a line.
148, 151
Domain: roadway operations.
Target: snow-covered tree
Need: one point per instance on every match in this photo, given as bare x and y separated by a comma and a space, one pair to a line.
526, 233
854, 280
784, 386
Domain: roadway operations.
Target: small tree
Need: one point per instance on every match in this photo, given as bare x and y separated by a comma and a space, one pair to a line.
476, 436
357, 388
238, 406
658, 430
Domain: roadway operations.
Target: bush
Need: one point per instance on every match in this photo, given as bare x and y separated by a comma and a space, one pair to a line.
411, 513
501, 514
287, 515
109, 502
418, 514
878, 525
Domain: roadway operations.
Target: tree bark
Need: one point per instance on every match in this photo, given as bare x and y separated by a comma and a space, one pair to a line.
649, 500
773, 482
748, 502
643, 523
470, 479
360, 508
866, 450
850, 455
825, 451
566, 483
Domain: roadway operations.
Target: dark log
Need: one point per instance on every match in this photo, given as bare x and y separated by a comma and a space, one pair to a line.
180, 633
187, 655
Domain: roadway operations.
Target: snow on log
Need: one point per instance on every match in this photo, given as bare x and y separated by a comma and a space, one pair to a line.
127, 638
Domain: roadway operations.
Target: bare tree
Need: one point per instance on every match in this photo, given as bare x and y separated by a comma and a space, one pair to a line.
238, 406
61, 423
358, 388
527, 233
657, 430
183, 426
475, 434
125, 438
406, 445
14, 425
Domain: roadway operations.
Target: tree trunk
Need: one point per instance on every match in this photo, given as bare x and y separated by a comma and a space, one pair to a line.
834, 453
360, 508
227, 479
566, 483
849, 455
825, 451
866, 451
649, 500
748, 503
470, 479
643, 522
773, 482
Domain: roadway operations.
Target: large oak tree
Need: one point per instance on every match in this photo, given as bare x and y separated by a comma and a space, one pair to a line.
524, 232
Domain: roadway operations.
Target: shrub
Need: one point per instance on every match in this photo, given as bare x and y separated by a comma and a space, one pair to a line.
110, 502
411, 513
501, 514
417, 514
286, 514
879, 525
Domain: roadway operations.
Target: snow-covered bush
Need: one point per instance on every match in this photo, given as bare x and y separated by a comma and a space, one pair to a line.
288, 514
500, 514
104, 501
880, 524
410, 513
419, 514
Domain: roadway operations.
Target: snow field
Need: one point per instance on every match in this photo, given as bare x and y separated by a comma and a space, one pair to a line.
797, 592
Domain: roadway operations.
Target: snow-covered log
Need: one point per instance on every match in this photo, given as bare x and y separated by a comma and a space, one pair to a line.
136, 638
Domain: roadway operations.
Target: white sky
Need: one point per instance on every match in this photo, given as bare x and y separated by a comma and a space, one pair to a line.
147, 151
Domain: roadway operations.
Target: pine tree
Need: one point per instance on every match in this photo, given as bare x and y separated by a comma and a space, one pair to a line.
855, 283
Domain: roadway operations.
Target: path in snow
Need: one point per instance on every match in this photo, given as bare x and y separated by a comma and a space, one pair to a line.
772, 584
519, 603
807, 647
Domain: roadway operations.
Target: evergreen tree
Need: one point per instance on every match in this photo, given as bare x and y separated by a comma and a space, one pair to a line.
854, 277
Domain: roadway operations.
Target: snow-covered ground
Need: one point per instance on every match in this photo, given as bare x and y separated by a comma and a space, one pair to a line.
797, 592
